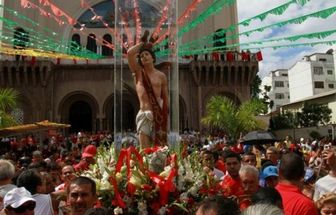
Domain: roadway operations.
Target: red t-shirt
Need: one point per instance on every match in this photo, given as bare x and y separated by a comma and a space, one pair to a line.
294, 202
231, 186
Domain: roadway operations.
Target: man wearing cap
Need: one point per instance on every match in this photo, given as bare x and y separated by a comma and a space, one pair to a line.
88, 155
270, 175
18, 201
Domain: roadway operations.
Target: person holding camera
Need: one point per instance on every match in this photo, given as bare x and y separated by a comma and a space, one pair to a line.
327, 183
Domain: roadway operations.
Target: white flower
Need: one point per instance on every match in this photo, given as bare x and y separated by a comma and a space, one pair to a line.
118, 210
162, 211
142, 207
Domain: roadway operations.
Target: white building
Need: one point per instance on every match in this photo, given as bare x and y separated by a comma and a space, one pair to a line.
312, 75
279, 93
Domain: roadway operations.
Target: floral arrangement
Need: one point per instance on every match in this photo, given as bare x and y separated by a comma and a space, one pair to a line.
156, 180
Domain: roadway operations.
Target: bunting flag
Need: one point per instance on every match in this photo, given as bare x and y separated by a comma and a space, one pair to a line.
58, 13
317, 35
33, 61
212, 49
181, 20
259, 56
49, 45
214, 8
229, 56
298, 20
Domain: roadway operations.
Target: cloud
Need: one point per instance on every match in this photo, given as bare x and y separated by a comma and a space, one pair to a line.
284, 58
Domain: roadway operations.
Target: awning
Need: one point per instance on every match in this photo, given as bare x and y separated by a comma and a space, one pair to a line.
30, 128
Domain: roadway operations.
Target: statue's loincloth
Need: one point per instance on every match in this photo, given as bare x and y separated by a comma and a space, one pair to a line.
144, 122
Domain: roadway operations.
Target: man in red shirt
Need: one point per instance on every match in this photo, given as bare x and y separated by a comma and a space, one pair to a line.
231, 183
88, 155
291, 172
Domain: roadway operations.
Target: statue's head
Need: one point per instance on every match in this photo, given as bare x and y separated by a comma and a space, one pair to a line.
146, 47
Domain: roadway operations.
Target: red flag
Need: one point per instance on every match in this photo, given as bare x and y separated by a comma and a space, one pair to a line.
58, 61
229, 56
215, 56
33, 61
259, 56
245, 56
74, 61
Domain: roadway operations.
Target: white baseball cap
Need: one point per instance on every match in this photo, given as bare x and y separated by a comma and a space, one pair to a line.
17, 197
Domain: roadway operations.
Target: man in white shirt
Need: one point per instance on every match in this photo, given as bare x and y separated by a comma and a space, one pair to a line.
32, 181
208, 160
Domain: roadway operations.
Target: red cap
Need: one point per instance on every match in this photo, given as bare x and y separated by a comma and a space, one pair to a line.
89, 151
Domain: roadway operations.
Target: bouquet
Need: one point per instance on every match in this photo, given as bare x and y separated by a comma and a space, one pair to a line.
156, 180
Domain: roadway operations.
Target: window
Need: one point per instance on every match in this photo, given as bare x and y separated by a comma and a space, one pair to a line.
331, 86
91, 43
318, 70
322, 59
106, 50
279, 84
279, 96
319, 84
284, 74
330, 72
75, 43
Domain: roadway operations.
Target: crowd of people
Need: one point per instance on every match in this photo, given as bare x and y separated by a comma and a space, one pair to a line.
287, 177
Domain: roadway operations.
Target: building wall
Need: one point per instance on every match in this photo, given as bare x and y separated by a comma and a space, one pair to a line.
300, 81
282, 77
304, 75
271, 80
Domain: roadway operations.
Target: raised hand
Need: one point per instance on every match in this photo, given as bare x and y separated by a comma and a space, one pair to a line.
144, 37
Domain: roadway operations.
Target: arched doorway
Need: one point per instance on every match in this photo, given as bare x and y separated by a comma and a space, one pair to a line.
80, 117
80, 110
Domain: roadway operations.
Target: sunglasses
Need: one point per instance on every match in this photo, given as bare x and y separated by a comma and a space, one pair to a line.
23, 208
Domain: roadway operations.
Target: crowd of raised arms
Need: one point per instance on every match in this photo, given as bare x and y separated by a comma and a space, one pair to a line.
287, 177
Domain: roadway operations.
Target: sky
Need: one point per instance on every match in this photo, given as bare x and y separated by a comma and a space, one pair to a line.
284, 58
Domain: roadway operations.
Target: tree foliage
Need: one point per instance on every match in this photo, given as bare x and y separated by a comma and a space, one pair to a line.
284, 120
8, 101
223, 114
314, 115
255, 87
309, 116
